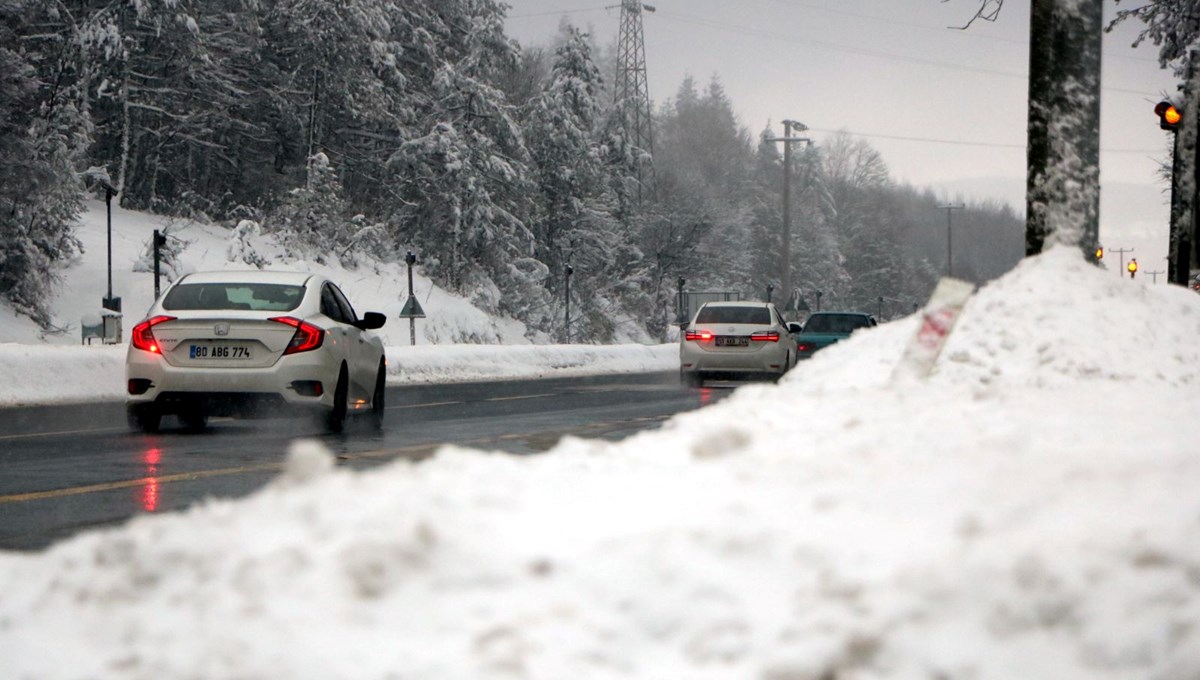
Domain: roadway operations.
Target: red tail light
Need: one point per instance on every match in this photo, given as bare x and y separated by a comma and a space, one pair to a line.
698, 336
307, 336
804, 347
143, 337
765, 336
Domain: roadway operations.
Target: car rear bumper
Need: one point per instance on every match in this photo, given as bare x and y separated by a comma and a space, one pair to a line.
767, 359
228, 391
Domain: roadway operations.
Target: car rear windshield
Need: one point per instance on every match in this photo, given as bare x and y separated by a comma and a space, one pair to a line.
267, 297
835, 323
755, 315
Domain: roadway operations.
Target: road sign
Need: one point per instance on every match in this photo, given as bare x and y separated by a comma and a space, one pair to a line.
412, 309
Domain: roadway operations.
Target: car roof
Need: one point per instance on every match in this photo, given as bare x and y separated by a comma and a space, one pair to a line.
249, 276
736, 303
828, 313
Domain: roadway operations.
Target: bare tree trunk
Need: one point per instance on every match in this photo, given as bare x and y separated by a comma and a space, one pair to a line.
126, 125
1063, 184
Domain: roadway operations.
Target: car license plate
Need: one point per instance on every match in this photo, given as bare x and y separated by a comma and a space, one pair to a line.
219, 352
732, 341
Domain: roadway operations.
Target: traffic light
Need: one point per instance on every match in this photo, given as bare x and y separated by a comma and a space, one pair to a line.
1099, 253
1168, 116
1132, 267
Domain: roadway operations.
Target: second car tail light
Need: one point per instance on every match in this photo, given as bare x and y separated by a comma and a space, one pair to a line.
142, 336
765, 336
698, 336
307, 336
804, 347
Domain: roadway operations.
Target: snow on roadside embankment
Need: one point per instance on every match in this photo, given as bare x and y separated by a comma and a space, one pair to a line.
1029, 511
43, 374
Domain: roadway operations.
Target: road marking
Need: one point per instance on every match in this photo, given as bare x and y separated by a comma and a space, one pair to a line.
432, 403
427, 448
523, 396
59, 432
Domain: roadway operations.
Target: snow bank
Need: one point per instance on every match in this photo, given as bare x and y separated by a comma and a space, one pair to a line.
42, 374
1030, 511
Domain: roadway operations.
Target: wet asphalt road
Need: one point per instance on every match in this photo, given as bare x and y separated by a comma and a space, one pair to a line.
67, 468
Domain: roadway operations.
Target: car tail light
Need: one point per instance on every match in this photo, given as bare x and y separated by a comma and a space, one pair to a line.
804, 347
765, 336
307, 336
698, 336
143, 337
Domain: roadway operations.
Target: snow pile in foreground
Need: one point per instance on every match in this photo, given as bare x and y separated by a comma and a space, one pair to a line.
1030, 511
34, 374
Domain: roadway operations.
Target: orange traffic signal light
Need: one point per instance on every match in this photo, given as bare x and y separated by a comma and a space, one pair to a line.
1099, 252
1132, 267
1169, 116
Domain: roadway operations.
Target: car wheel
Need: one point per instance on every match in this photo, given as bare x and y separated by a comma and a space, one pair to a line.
194, 420
143, 418
335, 420
378, 398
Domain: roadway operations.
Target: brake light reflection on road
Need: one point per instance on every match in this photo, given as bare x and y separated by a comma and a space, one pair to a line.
148, 495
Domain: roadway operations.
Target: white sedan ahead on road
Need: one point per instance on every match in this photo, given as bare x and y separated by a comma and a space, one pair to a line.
735, 339
254, 343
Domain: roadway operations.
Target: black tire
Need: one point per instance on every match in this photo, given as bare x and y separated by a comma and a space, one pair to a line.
143, 418
379, 398
194, 420
335, 420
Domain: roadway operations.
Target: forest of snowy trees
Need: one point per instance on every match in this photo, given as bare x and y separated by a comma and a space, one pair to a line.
365, 128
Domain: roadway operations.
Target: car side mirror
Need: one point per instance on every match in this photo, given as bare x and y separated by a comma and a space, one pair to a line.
371, 321
794, 327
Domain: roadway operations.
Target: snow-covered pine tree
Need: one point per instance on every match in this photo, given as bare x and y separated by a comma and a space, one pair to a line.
463, 184
576, 223
312, 219
44, 134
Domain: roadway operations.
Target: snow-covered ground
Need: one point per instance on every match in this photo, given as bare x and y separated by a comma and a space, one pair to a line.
1029, 511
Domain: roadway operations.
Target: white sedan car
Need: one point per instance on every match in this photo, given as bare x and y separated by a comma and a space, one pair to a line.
254, 343
735, 339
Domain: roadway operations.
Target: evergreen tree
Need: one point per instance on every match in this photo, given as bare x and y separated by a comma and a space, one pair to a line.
44, 134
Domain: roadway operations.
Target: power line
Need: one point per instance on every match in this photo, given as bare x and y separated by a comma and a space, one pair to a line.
762, 33
558, 12
960, 142
939, 29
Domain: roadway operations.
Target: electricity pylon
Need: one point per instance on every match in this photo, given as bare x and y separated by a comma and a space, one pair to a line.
631, 92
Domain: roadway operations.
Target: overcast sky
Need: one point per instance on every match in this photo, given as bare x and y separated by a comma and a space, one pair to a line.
889, 69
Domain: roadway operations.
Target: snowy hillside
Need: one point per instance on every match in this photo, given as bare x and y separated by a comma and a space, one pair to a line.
1029, 511
382, 288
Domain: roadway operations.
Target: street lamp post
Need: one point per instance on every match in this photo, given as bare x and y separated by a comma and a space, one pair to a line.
950, 208
569, 271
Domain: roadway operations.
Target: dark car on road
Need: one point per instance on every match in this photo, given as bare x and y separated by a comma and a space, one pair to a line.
822, 329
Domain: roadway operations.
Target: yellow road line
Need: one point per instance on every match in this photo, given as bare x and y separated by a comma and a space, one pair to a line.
31, 435
268, 467
432, 403
523, 396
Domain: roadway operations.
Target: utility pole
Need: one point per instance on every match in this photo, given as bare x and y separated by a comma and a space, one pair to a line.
1154, 275
950, 208
1122, 251
631, 93
788, 140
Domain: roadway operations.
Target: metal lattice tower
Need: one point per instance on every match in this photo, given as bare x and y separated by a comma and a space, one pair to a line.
631, 92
